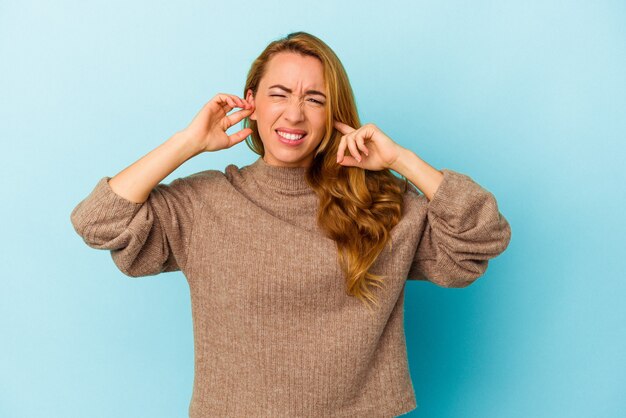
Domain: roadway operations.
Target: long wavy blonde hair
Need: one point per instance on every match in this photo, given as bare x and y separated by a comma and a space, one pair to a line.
358, 208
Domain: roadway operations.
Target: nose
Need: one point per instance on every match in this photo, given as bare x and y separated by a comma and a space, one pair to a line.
295, 110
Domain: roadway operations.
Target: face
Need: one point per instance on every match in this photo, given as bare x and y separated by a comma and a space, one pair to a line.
290, 101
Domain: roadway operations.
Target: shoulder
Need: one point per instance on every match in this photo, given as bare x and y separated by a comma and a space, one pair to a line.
199, 179
237, 176
232, 171
205, 176
212, 181
194, 186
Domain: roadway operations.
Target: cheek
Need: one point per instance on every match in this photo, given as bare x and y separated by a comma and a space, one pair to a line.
268, 113
318, 119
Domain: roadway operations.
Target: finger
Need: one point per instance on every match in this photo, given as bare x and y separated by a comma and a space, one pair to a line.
243, 103
352, 147
341, 149
238, 100
343, 128
239, 136
349, 161
225, 102
237, 116
361, 144
232, 101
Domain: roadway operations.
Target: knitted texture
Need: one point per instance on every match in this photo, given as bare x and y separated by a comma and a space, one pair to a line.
275, 333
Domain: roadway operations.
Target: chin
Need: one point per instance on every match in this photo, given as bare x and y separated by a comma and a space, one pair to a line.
284, 157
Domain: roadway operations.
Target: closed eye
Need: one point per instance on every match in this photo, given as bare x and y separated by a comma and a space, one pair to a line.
280, 95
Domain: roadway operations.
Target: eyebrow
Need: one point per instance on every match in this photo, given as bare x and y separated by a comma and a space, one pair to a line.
307, 92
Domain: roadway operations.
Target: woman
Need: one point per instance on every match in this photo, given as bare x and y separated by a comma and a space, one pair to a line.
296, 297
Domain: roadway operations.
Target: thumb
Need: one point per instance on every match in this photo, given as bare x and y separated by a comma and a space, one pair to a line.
237, 137
348, 161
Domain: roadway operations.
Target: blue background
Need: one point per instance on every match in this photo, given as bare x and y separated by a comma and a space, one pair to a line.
526, 97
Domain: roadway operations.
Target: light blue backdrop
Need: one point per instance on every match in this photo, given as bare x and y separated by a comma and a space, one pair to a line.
528, 98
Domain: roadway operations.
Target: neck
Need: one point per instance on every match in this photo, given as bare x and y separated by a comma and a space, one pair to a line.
280, 177
302, 163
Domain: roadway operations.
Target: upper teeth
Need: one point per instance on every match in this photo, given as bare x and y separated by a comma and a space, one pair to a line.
289, 136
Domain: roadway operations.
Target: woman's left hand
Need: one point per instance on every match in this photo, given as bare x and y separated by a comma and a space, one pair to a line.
380, 151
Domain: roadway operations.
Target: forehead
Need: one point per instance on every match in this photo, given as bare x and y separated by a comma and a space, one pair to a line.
295, 71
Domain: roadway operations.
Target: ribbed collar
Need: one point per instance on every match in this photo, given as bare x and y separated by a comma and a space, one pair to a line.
283, 178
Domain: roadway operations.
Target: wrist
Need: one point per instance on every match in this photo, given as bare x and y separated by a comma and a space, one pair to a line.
406, 158
424, 176
185, 144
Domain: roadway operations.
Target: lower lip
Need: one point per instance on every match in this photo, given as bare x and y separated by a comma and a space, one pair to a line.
288, 142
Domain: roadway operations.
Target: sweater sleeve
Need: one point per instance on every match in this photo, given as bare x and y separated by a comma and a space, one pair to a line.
144, 238
463, 230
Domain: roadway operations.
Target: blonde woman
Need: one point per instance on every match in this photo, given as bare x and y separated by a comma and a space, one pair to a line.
296, 263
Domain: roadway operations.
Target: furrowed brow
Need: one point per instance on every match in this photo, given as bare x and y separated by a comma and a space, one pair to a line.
319, 93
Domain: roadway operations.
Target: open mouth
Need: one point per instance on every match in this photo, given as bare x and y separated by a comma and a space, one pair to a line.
290, 139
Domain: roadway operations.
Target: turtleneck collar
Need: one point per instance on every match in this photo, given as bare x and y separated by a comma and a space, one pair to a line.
283, 178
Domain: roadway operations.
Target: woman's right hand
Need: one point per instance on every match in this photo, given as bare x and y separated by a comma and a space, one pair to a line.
208, 128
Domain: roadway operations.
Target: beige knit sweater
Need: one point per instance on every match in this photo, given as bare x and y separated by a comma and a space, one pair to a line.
275, 334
